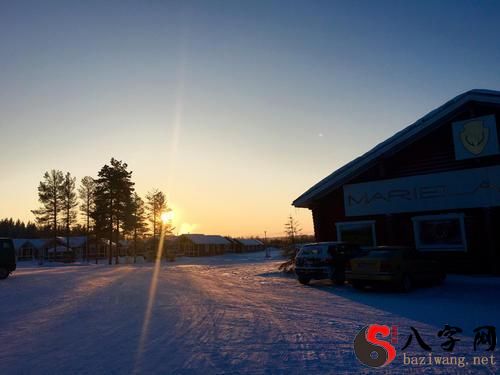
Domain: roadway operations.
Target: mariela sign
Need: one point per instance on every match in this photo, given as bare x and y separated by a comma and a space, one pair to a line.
375, 346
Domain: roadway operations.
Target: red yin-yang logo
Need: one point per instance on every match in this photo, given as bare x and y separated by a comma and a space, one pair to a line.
371, 350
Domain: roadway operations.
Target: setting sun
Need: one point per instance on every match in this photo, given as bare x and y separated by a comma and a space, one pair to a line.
167, 216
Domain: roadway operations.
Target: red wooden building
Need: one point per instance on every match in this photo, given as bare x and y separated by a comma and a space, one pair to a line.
434, 185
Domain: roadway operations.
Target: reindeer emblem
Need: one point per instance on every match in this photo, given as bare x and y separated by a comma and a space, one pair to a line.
474, 136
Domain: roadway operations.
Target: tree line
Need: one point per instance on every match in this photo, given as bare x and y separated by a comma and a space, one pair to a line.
18, 229
109, 206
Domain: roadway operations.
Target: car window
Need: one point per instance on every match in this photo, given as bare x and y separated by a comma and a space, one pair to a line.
312, 250
6, 245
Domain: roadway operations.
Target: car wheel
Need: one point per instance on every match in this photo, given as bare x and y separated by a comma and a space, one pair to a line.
3, 273
304, 280
339, 279
406, 283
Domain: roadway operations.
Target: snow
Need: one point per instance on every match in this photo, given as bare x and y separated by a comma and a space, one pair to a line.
207, 239
249, 242
226, 314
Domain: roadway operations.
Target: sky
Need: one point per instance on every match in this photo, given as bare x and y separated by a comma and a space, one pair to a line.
232, 108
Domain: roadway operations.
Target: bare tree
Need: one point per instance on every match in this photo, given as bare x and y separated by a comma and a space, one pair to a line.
86, 193
292, 230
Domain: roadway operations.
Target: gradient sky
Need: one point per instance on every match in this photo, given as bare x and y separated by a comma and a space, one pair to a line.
233, 108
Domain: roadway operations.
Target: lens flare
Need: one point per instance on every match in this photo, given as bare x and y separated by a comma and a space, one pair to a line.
167, 216
151, 299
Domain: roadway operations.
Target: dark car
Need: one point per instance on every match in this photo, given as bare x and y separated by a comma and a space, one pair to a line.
7, 257
398, 266
324, 260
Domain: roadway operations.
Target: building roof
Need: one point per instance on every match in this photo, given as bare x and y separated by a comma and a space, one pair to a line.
202, 239
392, 144
249, 242
37, 243
74, 241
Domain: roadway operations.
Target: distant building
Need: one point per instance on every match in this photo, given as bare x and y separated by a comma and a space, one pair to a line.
434, 185
201, 244
248, 245
28, 248
235, 246
57, 248
76, 246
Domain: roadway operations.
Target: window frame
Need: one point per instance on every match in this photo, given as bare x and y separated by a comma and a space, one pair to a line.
439, 247
372, 223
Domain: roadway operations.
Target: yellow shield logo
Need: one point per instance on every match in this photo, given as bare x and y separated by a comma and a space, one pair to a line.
474, 136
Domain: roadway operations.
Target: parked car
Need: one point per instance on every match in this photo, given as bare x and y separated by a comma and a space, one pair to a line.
324, 260
7, 257
402, 267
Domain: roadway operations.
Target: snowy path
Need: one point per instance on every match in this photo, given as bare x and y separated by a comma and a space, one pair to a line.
228, 314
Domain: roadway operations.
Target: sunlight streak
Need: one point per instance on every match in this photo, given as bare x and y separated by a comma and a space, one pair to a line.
151, 299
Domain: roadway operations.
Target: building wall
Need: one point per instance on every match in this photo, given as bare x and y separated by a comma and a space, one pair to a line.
432, 153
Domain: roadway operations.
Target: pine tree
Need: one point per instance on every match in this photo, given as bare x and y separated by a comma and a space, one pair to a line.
113, 197
156, 205
139, 226
86, 193
69, 203
50, 192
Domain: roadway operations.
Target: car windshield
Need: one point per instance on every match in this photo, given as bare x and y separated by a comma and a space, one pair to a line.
312, 250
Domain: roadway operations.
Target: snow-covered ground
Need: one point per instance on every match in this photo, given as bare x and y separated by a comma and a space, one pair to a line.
226, 314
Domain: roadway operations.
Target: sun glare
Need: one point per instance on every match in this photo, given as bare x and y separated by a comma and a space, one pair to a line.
167, 216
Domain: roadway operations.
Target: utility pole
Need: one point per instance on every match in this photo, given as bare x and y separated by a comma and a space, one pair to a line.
265, 245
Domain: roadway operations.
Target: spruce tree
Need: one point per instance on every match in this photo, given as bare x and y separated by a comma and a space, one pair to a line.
113, 197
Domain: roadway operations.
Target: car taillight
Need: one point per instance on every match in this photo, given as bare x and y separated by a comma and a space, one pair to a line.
385, 267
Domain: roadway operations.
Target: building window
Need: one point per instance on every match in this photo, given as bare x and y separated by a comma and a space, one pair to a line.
358, 232
25, 253
440, 232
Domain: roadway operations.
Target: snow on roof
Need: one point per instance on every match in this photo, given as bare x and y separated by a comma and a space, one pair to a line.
37, 243
202, 239
249, 242
58, 249
356, 166
74, 241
